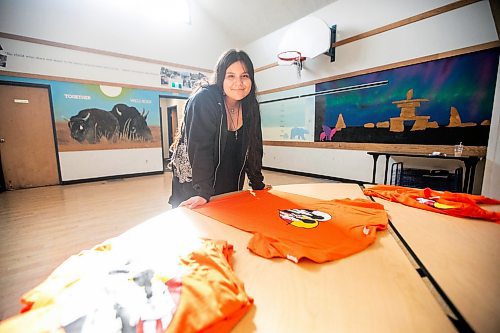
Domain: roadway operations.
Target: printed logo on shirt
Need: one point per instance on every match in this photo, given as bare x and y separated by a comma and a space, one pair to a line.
435, 204
303, 218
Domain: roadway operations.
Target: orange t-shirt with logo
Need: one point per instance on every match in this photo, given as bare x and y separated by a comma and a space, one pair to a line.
450, 203
294, 226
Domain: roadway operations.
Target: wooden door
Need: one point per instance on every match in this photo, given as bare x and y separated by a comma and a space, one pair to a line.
2, 181
27, 147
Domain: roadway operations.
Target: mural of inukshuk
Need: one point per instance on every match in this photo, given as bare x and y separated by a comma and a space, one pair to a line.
456, 121
408, 108
340, 123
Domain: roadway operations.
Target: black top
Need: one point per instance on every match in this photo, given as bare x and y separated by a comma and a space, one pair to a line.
230, 167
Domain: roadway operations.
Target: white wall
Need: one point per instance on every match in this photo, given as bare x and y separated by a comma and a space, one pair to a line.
467, 26
491, 182
31, 58
347, 163
105, 163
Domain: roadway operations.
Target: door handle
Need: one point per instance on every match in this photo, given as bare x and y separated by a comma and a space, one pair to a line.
2, 140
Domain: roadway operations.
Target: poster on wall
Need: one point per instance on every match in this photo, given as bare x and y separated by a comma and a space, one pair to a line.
3, 57
97, 117
176, 79
441, 102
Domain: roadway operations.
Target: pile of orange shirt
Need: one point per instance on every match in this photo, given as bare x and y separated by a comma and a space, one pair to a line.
454, 204
101, 290
293, 226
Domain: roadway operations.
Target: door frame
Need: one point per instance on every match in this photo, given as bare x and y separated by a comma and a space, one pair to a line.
160, 97
3, 187
52, 119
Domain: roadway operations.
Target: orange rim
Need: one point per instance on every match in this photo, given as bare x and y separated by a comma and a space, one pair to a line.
284, 56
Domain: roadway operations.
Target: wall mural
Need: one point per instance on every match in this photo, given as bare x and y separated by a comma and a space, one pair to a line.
440, 102
286, 119
93, 117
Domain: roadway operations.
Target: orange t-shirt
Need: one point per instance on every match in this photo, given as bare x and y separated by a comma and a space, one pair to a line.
294, 226
454, 204
97, 291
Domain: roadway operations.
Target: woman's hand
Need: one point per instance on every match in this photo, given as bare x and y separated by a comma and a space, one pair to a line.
268, 187
193, 202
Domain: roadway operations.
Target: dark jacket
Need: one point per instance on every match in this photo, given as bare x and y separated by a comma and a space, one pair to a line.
203, 134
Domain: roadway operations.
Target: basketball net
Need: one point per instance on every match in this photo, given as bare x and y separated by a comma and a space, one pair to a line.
291, 58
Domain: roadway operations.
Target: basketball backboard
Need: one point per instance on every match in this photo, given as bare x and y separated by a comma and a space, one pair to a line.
310, 36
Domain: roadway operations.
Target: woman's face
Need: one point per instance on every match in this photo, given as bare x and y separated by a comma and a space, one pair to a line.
237, 82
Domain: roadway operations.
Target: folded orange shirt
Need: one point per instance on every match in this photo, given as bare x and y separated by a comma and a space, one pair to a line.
450, 203
294, 226
101, 291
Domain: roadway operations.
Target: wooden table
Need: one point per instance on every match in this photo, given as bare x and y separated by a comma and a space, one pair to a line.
377, 290
462, 256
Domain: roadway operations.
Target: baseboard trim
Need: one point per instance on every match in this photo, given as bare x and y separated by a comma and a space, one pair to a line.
98, 179
313, 175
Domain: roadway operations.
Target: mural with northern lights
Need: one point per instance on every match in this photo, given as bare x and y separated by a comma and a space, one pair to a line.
438, 102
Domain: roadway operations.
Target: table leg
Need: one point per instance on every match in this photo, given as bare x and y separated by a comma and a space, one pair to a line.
386, 166
465, 188
470, 173
375, 158
472, 176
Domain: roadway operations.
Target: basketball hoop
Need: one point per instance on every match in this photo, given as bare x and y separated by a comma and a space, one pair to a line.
291, 58
304, 39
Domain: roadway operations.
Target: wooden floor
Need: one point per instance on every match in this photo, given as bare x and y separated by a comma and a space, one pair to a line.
41, 227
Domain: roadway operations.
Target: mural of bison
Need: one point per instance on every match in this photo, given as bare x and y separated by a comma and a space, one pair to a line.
133, 124
92, 124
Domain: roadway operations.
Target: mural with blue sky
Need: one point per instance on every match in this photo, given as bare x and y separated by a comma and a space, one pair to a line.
70, 98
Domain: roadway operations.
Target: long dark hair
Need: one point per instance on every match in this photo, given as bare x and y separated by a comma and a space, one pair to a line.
249, 103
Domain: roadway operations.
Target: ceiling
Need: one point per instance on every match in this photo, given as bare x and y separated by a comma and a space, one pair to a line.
120, 26
248, 20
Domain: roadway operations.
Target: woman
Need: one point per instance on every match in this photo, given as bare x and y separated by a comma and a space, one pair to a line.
221, 137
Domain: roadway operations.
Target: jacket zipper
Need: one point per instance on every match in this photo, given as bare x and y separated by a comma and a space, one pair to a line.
220, 134
242, 167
